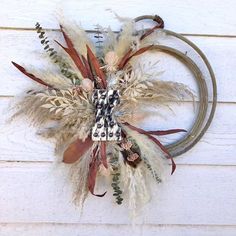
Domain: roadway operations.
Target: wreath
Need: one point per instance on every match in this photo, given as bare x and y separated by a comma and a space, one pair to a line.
87, 106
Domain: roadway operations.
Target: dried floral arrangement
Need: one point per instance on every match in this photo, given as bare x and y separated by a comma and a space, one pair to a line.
89, 105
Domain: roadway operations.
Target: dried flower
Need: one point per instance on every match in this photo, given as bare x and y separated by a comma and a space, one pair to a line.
111, 60
87, 85
127, 145
133, 157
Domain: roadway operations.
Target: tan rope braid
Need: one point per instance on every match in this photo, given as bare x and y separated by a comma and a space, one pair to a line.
200, 126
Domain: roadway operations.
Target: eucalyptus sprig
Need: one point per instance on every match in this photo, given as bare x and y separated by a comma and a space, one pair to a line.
53, 54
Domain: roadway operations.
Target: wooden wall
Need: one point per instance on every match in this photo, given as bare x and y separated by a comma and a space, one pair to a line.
199, 199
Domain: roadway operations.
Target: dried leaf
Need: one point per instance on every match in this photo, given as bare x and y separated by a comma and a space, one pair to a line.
141, 131
73, 53
88, 69
93, 169
124, 59
76, 59
139, 52
94, 62
23, 70
103, 154
76, 150
47, 106
165, 132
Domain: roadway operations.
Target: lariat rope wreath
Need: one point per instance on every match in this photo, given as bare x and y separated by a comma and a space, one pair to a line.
89, 103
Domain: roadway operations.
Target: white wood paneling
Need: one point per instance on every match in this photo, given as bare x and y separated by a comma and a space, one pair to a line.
195, 17
198, 200
114, 230
200, 195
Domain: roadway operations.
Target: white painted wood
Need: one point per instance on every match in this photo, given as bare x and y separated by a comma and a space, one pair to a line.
195, 17
200, 195
114, 230
24, 47
19, 141
198, 200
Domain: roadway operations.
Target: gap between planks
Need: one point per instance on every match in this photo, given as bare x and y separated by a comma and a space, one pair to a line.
93, 31
111, 225
16, 164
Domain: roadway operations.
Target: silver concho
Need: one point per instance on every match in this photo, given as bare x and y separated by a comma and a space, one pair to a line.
105, 127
